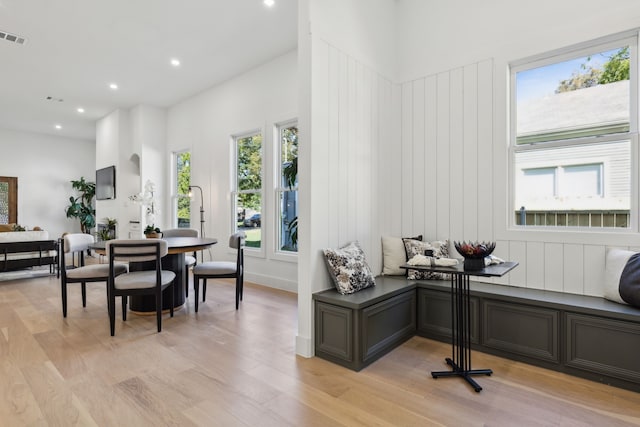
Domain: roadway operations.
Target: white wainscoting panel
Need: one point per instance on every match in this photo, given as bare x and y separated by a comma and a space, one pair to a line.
449, 187
356, 111
553, 267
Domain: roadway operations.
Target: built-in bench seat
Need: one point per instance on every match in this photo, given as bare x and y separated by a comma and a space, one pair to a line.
580, 335
357, 329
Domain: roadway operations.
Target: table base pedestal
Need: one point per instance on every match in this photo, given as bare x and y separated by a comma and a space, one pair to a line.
459, 372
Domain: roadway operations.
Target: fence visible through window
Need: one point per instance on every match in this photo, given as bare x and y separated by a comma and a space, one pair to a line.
590, 219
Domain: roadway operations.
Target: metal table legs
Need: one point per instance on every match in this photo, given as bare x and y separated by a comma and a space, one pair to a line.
460, 360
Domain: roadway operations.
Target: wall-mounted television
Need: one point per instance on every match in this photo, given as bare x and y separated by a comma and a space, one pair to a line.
106, 183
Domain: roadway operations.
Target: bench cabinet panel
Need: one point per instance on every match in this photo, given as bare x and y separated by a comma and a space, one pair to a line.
334, 331
526, 330
434, 315
386, 324
355, 336
603, 346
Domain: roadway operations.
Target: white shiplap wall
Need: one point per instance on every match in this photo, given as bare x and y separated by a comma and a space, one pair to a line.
447, 154
352, 116
453, 184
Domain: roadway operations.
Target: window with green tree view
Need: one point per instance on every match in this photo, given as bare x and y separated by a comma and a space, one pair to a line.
247, 192
287, 190
572, 135
183, 181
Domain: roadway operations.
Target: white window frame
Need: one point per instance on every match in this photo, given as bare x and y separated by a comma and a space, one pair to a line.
234, 190
630, 38
278, 189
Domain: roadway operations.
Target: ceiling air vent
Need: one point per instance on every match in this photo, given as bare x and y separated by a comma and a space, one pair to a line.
12, 37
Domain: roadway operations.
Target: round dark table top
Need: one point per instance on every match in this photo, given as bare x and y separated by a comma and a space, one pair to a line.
176, 244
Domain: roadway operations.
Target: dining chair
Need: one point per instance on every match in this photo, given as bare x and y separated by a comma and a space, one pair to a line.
75, 245
146, 282
189, 261
222, 269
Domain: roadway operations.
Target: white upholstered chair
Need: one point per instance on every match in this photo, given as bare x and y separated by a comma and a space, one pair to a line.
146, 282
76, 244
222, 269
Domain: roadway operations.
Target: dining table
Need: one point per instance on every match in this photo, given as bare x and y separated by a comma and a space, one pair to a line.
173, 261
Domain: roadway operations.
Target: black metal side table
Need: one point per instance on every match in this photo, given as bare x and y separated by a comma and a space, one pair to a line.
460, 360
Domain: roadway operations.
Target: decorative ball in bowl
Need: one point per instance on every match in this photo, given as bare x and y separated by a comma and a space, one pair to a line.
474, 253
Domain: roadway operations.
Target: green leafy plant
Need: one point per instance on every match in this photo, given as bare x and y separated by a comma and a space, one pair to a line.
18, 227
104, 234
150, 229
81, 207
290, 173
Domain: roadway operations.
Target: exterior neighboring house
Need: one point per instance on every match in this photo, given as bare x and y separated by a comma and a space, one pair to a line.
587, 184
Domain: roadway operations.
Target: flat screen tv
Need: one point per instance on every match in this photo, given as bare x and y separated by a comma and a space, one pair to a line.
106, 183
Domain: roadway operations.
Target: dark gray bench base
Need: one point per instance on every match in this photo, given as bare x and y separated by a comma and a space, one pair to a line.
589, 337
580, 335
355, 330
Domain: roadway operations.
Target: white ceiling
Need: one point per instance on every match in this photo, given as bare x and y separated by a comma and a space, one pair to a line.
75, 48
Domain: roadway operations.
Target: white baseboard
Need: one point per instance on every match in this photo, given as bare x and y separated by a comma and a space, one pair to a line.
272, 282
304, 346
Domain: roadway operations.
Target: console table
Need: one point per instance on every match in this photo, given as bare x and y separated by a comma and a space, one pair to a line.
460, 360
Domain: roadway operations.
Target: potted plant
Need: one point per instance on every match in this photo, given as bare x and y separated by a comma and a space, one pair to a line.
81, 207
152, 232
107, 231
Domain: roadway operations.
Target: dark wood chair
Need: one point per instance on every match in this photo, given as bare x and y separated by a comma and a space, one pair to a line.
222, 269
146, 282
75, 245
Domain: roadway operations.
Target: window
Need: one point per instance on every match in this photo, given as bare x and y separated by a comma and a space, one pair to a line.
182, 203
248, 187
574, 118
287, 187
8, 200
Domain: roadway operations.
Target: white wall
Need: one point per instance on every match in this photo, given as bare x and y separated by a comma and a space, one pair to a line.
135, 142
349, 103
454, 71
204, 125
439, 36
45, 166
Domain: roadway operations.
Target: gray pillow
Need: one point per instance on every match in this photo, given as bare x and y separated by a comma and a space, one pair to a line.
629, 286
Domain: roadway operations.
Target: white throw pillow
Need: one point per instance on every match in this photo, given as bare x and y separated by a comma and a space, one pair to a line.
394, 255
615, 261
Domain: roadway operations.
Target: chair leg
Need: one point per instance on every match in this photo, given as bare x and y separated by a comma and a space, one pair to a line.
204, 288
63, 289
196, 288
84, 294
173, 297
237, 291
112, 314
186, 281
124, 308
159, 309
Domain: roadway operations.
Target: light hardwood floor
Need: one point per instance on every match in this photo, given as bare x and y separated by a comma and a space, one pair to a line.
223, 367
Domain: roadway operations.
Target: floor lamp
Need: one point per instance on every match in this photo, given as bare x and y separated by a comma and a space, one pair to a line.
201, 212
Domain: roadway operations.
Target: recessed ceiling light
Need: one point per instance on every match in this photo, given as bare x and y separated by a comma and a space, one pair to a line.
80, 110
58, 127
269, 3
113, 86
175, 62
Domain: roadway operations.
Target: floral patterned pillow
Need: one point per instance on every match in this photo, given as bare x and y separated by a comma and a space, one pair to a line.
438, 248
348, 268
